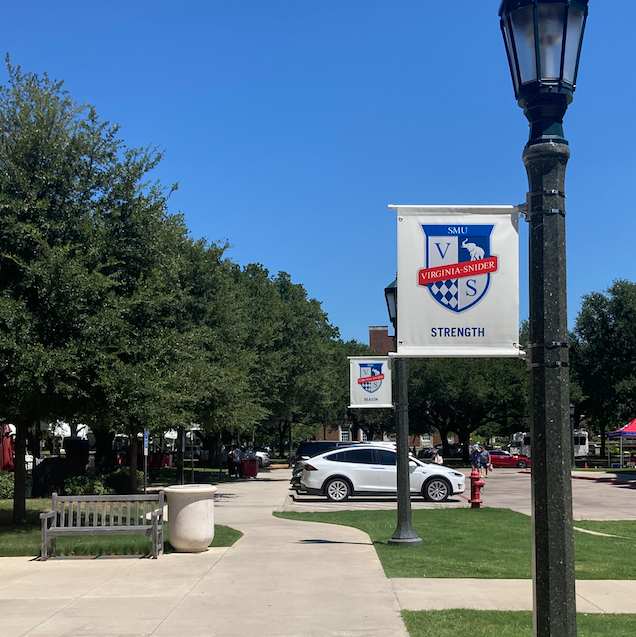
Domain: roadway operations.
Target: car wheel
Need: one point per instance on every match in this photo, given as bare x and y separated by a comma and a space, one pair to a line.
436, 490
522, 464
260, 462
337, 490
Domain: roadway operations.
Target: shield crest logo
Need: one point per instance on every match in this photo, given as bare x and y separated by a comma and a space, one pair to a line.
371, 376
459, 264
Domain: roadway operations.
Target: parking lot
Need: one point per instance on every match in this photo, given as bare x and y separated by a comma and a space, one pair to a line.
593, 499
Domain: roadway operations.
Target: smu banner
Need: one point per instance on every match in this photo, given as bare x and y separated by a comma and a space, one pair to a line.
458, 281
370, 381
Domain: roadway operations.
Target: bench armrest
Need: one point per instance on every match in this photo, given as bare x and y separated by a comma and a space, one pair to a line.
47, 516
157, 513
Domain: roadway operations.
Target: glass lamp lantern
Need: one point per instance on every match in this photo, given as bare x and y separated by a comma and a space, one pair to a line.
543, 40
390, 293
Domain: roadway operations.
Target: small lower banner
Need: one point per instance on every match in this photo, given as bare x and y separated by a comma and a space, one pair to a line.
370, 382
458, 281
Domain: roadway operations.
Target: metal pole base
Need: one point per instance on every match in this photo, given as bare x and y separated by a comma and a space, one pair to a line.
406, 541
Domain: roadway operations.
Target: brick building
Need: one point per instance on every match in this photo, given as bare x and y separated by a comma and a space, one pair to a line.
380, 341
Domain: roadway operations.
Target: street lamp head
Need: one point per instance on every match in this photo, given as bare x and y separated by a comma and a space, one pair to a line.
543, 41
390, 293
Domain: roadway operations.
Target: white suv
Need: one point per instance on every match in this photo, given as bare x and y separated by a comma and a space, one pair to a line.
367, 469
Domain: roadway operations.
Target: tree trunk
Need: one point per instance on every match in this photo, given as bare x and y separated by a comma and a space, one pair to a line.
104, 456
603, 450
134, 448
281, 438
19, 491
464, 440
443, 432
218, 454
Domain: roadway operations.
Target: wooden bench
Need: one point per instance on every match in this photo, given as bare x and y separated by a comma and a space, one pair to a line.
104, 515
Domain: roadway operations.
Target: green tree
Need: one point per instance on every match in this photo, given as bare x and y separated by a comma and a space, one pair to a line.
218, 323
462, 395
294, 346
604, 356
56, 171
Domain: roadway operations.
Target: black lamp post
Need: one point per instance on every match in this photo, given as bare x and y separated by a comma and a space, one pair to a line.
404, 533
543, 41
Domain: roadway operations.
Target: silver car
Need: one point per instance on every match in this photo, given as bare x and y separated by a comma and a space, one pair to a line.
263, 459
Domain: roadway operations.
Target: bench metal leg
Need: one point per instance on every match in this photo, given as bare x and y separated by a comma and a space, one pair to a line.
43, 550
155, 538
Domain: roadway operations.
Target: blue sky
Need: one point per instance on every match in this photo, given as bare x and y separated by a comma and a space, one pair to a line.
290, 125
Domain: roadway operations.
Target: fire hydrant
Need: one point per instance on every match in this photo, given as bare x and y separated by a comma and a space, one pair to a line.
476, 485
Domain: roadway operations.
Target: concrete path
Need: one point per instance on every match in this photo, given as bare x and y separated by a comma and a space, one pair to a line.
592, 596
281, 578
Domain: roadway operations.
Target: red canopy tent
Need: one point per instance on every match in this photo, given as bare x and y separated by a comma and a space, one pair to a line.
6, 449
626, 432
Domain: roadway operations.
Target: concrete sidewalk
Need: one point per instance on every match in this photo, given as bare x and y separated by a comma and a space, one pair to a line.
281, 578
592, 596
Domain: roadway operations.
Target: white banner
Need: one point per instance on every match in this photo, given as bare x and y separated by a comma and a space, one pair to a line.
370, 381
458, 281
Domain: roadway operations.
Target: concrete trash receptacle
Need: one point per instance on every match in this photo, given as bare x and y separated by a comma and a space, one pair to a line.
190, 516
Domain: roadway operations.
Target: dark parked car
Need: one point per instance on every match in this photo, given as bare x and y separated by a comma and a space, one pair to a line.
314, 447
454, 451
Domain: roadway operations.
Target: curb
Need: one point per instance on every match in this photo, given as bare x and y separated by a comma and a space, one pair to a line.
603, 479
608, 480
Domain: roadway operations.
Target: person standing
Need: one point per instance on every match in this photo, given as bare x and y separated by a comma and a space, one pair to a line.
237, 457
484, 461
474, 457
230, 462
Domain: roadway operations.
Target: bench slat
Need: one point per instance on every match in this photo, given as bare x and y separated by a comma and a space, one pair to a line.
108, 530
139, 497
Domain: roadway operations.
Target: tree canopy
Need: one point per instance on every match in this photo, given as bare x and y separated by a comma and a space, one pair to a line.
604, 356
112, 315
464, 395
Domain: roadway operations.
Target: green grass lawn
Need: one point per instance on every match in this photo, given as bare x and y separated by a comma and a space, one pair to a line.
474, 623
25, 540
491, 543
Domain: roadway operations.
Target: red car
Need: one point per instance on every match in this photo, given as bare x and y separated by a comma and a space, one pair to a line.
501, 458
